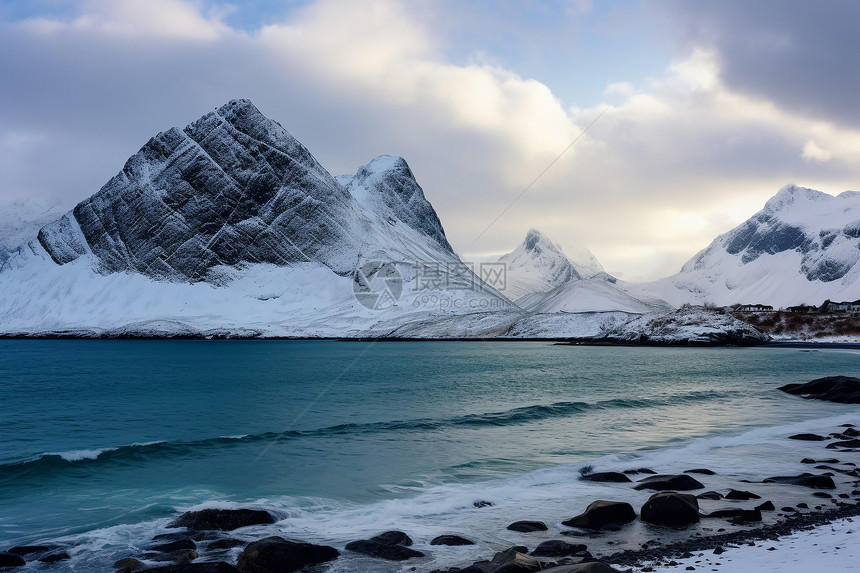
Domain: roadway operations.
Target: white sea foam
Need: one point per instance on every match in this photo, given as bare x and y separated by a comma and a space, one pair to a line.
78, 455
550, 495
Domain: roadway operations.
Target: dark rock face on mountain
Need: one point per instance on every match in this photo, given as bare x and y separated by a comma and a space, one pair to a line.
232, 188
803, 247
396, 196
828, 254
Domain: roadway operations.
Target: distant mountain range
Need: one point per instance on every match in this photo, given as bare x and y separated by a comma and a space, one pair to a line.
803, 247
542, 279
230, 227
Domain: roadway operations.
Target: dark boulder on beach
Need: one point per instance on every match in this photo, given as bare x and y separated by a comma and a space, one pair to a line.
805, 480
766, 506
670, 508
514, 561
607, 477
600, 514
54, 557
741, 495
844, 444
702, 471
679, 482
11, 560
220, 567
128, 565
222, 519
714, 495
276, 554
842, 389
23, 550
528, 526
453, 540
807, 437
392, 538
391, 545
177, 545
737, 514
511, 560
558, 548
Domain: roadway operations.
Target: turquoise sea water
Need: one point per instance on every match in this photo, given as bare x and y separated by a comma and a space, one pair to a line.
103, 440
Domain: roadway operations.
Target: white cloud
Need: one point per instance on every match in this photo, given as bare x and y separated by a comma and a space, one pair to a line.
813, 151
379, 48
622, 88
174, 19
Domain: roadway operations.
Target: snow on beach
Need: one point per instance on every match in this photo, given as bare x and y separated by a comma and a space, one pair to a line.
832, 547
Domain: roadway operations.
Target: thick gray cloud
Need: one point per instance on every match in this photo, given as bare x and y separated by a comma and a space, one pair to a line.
799, 54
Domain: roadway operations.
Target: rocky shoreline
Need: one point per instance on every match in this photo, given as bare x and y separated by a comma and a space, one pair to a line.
675, 522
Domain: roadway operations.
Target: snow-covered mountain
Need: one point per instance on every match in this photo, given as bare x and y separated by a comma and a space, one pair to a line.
235, 188
21, 220
231, 225
537, 265
542, 279
803, 247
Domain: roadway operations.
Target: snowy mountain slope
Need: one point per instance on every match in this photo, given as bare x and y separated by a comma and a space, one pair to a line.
232, 226
21, 220
387, 187
589, 295
803, 247
537, 265
505, 323
685, 326
541, 279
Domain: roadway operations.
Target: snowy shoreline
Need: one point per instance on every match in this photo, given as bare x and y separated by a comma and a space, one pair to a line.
767, 546
829, 546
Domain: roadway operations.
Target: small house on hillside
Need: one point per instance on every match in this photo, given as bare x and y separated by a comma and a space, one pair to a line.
802, 309
754, 308
832, 307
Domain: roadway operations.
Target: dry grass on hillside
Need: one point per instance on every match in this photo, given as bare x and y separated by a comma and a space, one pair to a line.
782, 323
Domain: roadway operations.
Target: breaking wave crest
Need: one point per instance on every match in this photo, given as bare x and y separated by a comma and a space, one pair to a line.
134, 454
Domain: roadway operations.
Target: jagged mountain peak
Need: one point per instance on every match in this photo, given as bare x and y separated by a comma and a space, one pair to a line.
234, 188
541, 278
791, 194
537, 242
386, 186
536, 265
537, 249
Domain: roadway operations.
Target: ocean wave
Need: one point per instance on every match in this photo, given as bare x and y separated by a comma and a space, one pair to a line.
51, 462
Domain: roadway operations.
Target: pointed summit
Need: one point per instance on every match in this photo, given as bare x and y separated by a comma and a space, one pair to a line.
536, 265
387, 187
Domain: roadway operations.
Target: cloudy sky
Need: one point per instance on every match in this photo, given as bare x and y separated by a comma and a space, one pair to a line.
704, 109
